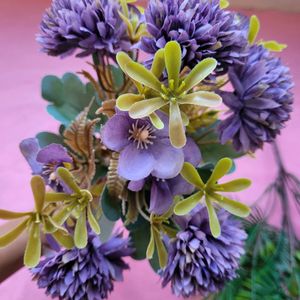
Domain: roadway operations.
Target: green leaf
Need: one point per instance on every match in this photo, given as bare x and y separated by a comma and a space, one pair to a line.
254, 28
9, 237
34, 246
47, 138
173, 62
221, 169
199, 73
38, 190
92, 221
68, 97
80, 233
158, 64
191, 175
186, 205
176, 128
111, 206
214, 224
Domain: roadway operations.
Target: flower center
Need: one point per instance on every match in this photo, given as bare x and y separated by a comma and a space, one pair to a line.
143, 135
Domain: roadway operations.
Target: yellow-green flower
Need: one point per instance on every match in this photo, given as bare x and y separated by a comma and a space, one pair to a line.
210, 190
154, 95
32, 223
78, 205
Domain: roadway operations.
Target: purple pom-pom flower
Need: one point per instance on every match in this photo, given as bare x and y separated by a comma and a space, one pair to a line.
144, 150
94, 26
201, 28
84, 274
198, 263
46, 161
261, 102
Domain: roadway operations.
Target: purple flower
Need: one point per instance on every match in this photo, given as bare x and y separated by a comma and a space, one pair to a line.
199, 263
201, 27
94, 26
84, 274
144, 150
45, 161
163, 191
261, 102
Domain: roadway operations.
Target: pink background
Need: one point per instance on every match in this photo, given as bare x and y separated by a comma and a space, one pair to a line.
23, 114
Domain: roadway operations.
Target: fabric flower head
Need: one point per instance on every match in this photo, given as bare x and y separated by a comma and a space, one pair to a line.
198, 263
87, 273
261, 102
201, 28
93, 26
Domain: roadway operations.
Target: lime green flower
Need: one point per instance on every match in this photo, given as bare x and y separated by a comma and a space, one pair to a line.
78, 205
254, 28
224, 4
155, 95
32, 223
210, 192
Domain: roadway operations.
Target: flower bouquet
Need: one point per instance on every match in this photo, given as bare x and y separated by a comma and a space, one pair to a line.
145, 141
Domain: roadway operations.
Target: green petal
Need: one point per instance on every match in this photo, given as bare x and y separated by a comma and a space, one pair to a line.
176, 128
151, 246
123, 59
161, 249
185, 206
254, 28
207, 99
34, 246
158, 64
156, 121
145, 108
236, 185
142, 75
236, 208
38, 190
62, 216
48, 226
173, 56
199, 72
80, 234
185, 118
68, 179
213, 219
58, 197
12, 235
222, 168
273, 46
63, 239
92, 221
191, 175
10, 215
124, 102
224, 4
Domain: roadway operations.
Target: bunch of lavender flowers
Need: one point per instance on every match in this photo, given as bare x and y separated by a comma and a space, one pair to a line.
87, 273
261, 102
199, 263
201, 28
93, 26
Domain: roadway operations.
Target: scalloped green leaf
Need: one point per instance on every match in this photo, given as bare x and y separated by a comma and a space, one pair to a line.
111, 206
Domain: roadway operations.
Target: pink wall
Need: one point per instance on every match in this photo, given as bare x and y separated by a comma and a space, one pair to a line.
23, 115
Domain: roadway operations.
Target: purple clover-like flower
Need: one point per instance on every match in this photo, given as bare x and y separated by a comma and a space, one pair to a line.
199, 263
84, 274
163, 191
94, 26
261, 102
144, 150
202, 29
45, 161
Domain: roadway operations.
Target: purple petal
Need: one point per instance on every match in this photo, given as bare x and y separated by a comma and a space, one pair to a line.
115, 132
135, 164
179, 186
192, 152
30, 148
161, 198
136, 186
168, 160
53, 153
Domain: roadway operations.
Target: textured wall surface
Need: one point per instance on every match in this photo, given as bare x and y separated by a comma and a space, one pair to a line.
23, 114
